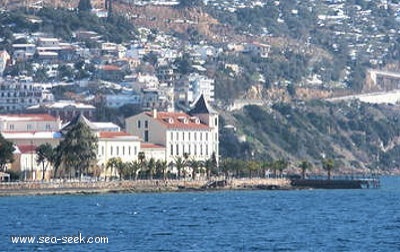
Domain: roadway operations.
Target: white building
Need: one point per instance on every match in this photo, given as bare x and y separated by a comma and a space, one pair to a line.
116, 101
19, 93
116, 144
4, 60
29, 123
23, 52
195, 133
111, 143
199, 85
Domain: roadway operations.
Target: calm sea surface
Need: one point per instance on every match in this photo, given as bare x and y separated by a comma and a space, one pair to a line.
308, 220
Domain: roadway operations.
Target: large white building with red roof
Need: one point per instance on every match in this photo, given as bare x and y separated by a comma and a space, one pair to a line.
194, 133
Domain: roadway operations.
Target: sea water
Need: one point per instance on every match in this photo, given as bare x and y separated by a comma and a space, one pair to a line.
298, 220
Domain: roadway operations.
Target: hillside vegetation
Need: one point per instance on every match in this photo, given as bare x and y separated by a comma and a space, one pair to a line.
354, 134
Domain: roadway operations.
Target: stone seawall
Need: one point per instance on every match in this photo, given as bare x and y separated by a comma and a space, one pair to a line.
48, 188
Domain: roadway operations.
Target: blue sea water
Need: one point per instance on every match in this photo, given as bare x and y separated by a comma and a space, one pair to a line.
303, 220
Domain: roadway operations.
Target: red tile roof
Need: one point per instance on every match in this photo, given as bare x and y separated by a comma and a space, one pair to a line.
110, 68
27, 148
108, 134
174, 120
151, 146
28, 117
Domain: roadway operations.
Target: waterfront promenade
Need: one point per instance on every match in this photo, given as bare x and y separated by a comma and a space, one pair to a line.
80, 187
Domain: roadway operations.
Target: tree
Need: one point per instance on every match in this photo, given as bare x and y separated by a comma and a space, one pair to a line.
142, 161
161, 168
252, 166
226, 167
151, 165
44, 153
304, 166
132, 168
84, 5
280, 165
6, 152
180, 164
194, 164
78, 148
328, 165
115, 163
208, 165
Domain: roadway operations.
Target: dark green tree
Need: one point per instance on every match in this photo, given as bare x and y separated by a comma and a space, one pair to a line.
151, 165
78, 148
6, 152
304, 166
44, 155
84, 5
328, 165
180, 164
115, 163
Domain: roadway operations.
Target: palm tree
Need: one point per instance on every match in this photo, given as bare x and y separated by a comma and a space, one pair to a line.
252, 166
194, 164
44, 153
151, 165
328, 165
280, 165
180, 164
161, 167
142, 162
56, 159
132, 168
225, 166
304, 166
115, 163
208, 166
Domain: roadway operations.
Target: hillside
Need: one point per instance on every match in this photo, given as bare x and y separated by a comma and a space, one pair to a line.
356, 135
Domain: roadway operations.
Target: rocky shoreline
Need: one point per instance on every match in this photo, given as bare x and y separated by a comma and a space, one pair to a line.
140, 186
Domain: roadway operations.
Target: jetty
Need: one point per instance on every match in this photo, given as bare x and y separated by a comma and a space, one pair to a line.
339, 182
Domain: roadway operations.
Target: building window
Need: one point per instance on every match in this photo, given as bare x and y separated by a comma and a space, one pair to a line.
29, 127
138, 124
146, 124
48, 127
11, 126
111, 150
117, 150
190, 151
102, 150
195, 136
172, 136
172, 150
189, 136
206, 136
216, 121
146, 135
201, 136
135, 151
183, 136
207, 150
195, 150
177, 149
123, 150
177, 136
129, 150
